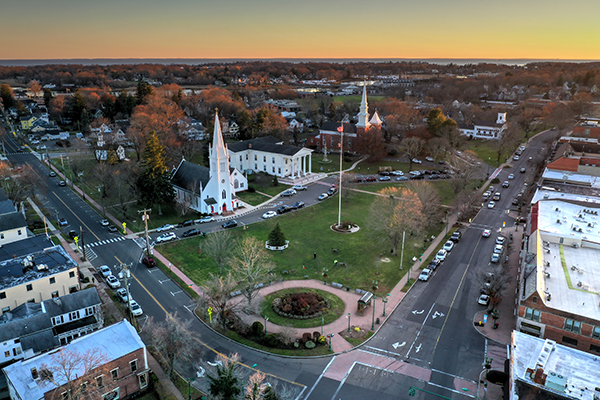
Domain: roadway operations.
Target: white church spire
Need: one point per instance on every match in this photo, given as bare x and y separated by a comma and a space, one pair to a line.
363, 115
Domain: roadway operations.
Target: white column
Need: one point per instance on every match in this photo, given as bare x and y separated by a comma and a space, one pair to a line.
292, 159
310, 163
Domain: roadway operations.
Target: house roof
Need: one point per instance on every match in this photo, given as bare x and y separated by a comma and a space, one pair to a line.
188, 175
268, 144
6, 206
114, 342
333, 127
489, 124
12, 220
565, 164
23, 247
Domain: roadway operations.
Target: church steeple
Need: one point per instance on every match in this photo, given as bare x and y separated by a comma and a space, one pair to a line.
220, 179
219, 159
363, 115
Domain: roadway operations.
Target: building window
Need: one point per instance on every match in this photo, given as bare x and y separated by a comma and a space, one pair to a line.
273, 160
74, 315
255, 158
2, 295
29, 287
5, 310
246, 156
532, 314
19, 232
133, 365
100, 381
273, 169
569, 340
595, 348
55, 294
52, 280
143, 380
115, 374
112, 395
534, 299
1, 235
31, 301
265, 168
7, 353
264, 158
65, 395
572, 326
279, 169
72, 274
596, 332
240, 158
89, 311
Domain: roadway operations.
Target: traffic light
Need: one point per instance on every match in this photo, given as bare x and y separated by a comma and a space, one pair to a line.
411, 391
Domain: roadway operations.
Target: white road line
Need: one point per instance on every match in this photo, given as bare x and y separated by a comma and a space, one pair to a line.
421, 328
319, 378
177, 292
452, 390
383, 351
343, 380
300, 394
161, 282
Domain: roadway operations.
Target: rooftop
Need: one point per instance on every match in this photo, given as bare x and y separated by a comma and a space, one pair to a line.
32, 266
571, 177
24, 247
113, 342
569, 372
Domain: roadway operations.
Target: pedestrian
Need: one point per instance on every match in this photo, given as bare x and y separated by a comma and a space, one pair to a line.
314, 256
335, 263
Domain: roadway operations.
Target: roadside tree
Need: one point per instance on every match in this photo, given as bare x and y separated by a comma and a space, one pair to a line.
154, 182
430, 200
217, 290
7, 95
371, 144
250, 265
35, 88
218, 246
412, 146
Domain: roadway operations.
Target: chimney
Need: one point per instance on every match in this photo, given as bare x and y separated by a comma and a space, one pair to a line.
249, 145
539, 376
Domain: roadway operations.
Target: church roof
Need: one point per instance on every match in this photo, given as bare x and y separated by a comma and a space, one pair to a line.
375, 120
188, 175
267, 144
333, 126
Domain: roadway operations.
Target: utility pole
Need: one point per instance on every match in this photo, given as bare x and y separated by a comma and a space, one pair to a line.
145, 218
125, 272
82, 242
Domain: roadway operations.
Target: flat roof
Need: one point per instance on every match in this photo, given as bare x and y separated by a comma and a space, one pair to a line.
576, 220
571, 177
580, 371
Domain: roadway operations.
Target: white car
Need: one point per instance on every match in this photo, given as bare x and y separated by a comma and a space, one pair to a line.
425, 275
511, 176
204, 220
430, 159
516, 158
486, 233
483, 300
135, 308
269, 214
122, 295
299, 187
500, 240
417, 161
323, 196
104, 222
498, 249
165, 227
165, 237
448, 246
491, 204
113, 282
397, 173
105, 271
441, 255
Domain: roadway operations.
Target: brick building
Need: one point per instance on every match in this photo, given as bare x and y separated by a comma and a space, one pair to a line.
560, 276
122, 373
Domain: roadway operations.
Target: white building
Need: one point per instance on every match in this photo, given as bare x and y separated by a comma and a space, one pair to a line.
485, 129
210, 190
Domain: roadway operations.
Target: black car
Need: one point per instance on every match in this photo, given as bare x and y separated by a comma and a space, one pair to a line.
433, 264
298, 204
229, 224
73, 234
113, 229
456, 236
185, 223
515, 202
191, 232
283, 209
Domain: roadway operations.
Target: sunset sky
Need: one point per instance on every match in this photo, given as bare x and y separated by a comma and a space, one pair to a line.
63, 29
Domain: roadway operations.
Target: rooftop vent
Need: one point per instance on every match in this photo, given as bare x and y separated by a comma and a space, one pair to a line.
556, 382
42, 267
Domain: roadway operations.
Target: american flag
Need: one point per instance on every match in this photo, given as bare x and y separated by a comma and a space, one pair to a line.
340, 128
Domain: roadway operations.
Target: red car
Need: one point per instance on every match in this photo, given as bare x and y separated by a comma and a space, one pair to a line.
370, 179
148, 261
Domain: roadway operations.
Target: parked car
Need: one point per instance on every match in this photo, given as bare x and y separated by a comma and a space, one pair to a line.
498, 249
229, 224
441, 255
287, 193
496, 196
487, 195
522, 170
417, 161
370, 179
105, 271
483, 300
113, 282
425, 275
299, 187
269, 214
402, 178
516, 158
284, 208
73, 234
384, 173
148, 261
456, 236
486, 233
433, 264
104, 222
397, 173
385, 178
491, 204
165, 227
204, 220
495, 258
113, 229
501, 240
332, 190
62, 183
62, 222
448, 246
323, 196
505, 184
430, 159
136, 310
122, 295
191, 232
511, 176
165, 237
52, 174
298, 204
515, 202
185, 223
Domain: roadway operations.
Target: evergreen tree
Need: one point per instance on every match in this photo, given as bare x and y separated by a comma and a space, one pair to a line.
112, 158
154, 183
47, 97
269, 394
6, 93
78, 109
276, 236
225, 385
144, 89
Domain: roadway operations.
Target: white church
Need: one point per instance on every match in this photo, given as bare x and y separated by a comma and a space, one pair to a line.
210, 190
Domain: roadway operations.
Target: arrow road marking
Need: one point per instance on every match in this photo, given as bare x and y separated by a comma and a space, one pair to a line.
219, 363
200, 373
437, 314
418, 312
418, 348
396, 345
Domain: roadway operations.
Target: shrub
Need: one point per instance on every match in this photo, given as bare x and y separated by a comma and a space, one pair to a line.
316, 336
275, 181
306, 336
310, 344
271, 340
251, 189
257, 328
495, 180
296, 344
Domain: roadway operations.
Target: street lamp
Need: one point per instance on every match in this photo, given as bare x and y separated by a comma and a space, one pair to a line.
189, 381
348, 322
266, 319
322, 323
329, 336
385, 300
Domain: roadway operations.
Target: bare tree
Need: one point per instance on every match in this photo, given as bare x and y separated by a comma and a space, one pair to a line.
218, 247
250, 266
35, 88
398, 210
18, 184
430, 200
218, 291
494, 283
437, 146
412, 146
466, 203
74, 373
465, 170
508, 141
174, 340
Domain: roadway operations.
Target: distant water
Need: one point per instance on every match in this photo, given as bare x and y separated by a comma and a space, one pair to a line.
196, 61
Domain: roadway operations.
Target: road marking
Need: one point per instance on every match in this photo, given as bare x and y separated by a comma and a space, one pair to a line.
190, 308
437, 341
75, 214
418, 348
396, 345
418, 312
177, 292
450, 389
437, 314
344, 380
320, 377
161, 282
420, 329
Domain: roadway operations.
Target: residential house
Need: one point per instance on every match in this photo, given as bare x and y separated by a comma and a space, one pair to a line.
210, 190
485, 129
32, 328
122, 374
37, 275
27, 122
102, 154
295, 124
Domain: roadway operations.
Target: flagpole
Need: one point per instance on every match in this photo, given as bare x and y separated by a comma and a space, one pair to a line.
341, 129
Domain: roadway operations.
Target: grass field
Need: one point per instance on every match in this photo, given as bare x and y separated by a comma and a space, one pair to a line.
308, 231
355, 98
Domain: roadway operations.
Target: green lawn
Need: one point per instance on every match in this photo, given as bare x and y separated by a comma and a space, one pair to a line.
486, 150
443, 187
355, 99
308, 231
336, 309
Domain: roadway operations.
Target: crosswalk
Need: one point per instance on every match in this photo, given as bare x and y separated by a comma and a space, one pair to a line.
108, 241
90, 255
